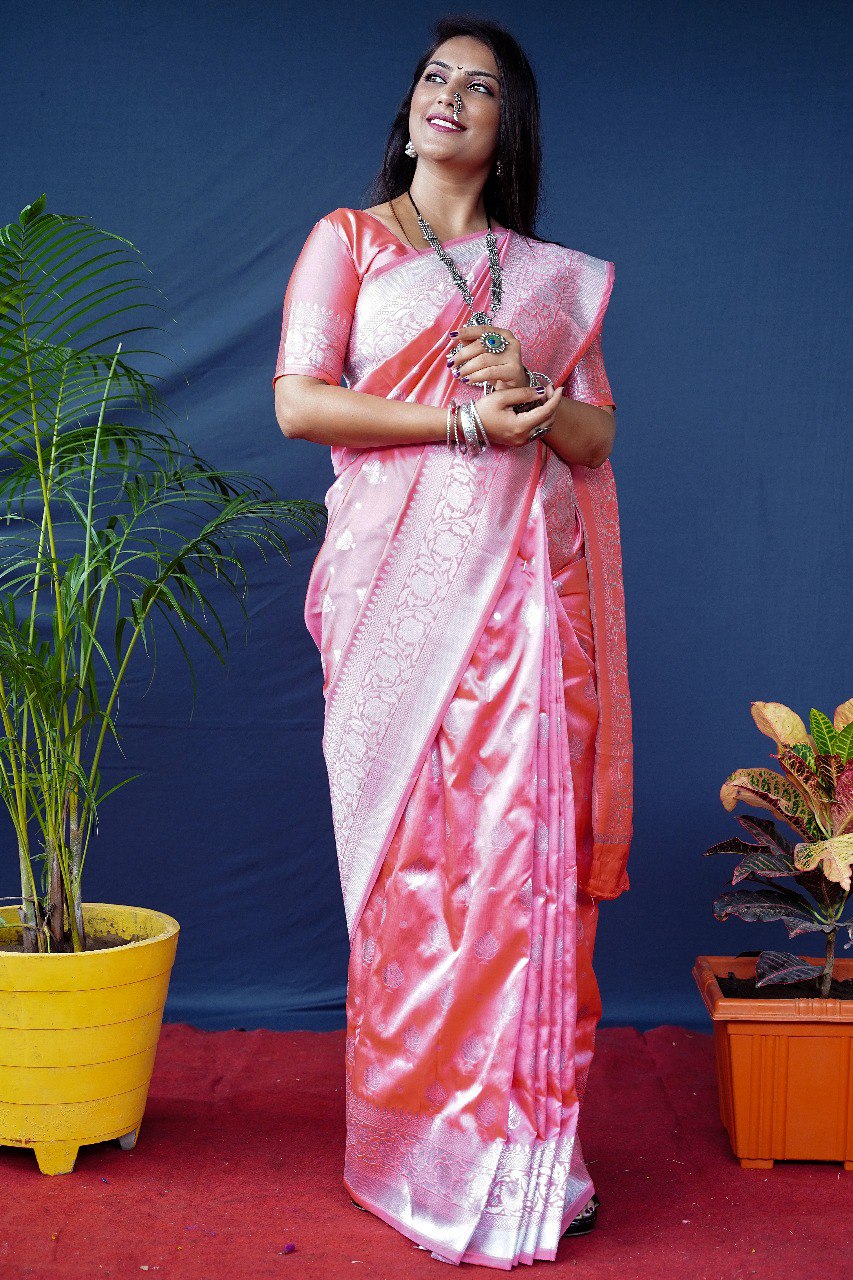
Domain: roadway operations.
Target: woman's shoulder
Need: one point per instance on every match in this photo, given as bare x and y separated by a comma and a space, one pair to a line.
562, 257
340, 220
357, 229
349, 223
335, 236
575, 283
366, 233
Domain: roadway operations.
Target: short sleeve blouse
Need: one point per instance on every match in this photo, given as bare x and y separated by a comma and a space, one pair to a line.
318, 307
588, 380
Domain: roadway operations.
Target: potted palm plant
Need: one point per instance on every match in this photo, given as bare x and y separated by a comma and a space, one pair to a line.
112, 528
783, 1023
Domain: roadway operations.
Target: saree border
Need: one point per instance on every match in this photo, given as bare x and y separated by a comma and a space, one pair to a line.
440, 543
612, 786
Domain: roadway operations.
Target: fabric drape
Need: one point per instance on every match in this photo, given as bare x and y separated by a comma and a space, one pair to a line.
469, 614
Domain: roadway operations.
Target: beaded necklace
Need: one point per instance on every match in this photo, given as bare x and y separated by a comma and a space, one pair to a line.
477, 317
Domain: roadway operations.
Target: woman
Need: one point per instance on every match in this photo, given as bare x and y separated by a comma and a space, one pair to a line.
467, 604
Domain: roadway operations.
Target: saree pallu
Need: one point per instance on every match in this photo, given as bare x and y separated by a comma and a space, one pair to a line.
469, 617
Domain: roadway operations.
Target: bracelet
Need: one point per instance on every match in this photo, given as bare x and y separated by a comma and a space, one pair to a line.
472, 425
453, 439
459, 440
478, 424
471, 437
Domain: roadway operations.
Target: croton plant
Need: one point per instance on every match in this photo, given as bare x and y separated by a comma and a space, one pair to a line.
813, 795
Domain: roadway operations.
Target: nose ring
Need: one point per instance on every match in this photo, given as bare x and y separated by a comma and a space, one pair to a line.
457, 104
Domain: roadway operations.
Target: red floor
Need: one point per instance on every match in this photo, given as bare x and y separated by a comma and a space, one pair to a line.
241, 1152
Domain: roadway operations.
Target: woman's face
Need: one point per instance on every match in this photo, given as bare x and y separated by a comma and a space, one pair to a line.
467, 67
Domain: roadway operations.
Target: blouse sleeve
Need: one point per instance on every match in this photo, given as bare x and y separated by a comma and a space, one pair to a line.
318, 307
588, 380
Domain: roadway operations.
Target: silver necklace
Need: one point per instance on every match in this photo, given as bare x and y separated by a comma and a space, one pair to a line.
477, 317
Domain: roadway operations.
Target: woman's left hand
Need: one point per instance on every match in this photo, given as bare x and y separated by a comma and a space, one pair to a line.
474, 364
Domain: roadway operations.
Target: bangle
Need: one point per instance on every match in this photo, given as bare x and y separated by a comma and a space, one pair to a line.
459, 422
471, 438
453, 438
478, 425
459, 440
472, 425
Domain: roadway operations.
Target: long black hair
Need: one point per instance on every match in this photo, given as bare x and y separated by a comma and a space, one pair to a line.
513, 196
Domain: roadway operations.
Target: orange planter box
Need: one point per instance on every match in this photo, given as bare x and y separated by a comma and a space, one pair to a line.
784, 1068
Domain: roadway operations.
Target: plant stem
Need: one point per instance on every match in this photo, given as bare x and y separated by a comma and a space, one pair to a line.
826, 975
56, 902
29, 910
74, 828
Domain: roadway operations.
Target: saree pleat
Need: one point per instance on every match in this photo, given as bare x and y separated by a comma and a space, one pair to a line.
470, 988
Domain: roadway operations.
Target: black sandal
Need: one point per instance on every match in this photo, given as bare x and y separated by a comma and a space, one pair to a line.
585, 1220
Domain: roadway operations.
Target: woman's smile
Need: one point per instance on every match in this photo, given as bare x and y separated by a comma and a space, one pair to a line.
444, 124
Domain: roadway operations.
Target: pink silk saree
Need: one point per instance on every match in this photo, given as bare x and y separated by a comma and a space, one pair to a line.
469, 614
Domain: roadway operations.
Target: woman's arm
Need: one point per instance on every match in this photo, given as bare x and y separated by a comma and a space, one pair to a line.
582, 432
309, 409
312, 409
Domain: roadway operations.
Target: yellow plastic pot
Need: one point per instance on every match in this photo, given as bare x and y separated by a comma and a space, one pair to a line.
78, 1034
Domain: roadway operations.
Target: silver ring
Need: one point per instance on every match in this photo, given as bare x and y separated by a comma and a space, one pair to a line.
493, 342
537, 431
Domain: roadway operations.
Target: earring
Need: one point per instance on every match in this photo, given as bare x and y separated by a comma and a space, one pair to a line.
410, 149
499, 168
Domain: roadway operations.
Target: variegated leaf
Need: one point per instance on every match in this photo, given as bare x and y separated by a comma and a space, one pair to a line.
823, 733
841, 811
828, 769
828, 895
835, 856
764, 862
804, 778
766, 789
844, 742
769, 858
779, 722
765, 832
781, 966
733, 844
843, 715
771, 902
804, 750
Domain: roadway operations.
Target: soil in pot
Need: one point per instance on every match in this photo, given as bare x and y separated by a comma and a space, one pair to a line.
745, 989
12, 940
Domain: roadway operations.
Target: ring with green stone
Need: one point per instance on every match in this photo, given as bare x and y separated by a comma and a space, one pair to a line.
494, 343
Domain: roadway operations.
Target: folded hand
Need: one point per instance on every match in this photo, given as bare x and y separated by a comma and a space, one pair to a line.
469, 359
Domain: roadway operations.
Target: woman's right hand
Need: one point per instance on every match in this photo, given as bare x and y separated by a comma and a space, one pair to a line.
506, 427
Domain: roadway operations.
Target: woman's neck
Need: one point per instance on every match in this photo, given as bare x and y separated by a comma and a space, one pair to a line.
452, 205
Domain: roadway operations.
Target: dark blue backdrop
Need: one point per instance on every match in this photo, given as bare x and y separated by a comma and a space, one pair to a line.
701, 148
